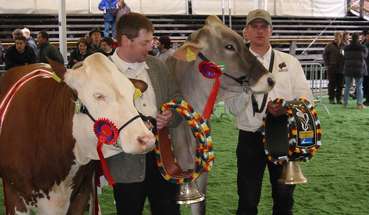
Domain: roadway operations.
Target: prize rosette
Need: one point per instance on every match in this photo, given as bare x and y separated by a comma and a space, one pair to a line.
106, 133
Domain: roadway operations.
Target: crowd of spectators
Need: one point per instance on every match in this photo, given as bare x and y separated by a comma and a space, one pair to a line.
347, 61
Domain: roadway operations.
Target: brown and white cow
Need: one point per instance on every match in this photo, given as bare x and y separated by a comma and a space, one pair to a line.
221, 45
47, 148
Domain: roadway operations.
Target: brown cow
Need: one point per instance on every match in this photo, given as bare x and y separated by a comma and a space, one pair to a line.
47, 147
242, 70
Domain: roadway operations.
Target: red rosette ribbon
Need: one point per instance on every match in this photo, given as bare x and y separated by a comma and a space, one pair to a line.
106, 133
212, 71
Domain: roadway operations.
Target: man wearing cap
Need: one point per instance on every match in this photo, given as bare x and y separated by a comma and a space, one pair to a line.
249, 111
95, 40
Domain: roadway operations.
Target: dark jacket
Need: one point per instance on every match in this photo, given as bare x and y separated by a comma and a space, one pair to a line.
333, 57
13, 58
354, 60
76, 56
49, 51
32, 43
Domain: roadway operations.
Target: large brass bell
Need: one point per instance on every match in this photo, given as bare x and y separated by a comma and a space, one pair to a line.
189, 194
292, 174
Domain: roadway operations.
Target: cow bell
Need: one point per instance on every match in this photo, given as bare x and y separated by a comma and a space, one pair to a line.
292, 174
189, 194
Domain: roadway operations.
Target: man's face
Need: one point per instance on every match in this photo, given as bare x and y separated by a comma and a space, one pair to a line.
258, 32
139, 47
20, 45
82, 47
105, 46
40, 39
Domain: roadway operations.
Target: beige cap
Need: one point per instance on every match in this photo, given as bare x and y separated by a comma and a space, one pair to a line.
258, 14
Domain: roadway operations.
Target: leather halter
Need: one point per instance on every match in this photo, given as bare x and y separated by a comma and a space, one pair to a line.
243, 80
83, 109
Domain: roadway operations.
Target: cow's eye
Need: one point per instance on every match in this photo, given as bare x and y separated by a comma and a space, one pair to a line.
230, 47
99, 96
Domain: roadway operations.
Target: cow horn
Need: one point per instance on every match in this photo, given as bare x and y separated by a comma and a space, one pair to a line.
57, 67
213, 20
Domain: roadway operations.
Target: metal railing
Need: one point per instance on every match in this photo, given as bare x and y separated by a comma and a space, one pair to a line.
316, 75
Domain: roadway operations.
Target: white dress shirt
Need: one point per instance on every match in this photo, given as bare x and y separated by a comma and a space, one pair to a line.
146, 104
290, 84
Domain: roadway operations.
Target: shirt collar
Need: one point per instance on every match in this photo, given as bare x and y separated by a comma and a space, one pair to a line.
265, 57
128, 67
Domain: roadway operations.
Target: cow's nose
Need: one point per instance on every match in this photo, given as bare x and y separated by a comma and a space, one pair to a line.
270, 81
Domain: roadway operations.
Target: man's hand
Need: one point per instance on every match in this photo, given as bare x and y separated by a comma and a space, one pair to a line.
276, 109
163, 118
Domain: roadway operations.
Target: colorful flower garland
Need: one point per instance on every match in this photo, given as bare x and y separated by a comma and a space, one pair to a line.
296, 150
204, 151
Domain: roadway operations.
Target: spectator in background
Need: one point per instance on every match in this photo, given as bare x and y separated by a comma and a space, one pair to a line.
17, 33
106, 46
110, 9
165, 48
79, 53
333, 60
155, 47
122, 9
346, 38
366, 77
355, 68
46, 50
95, 40
2, 53
30, 41
19, 54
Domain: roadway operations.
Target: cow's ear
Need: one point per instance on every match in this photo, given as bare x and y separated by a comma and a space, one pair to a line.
57, 67
187, 52
213, 20
141, 85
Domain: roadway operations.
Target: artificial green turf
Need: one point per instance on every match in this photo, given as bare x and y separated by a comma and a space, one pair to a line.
338, 176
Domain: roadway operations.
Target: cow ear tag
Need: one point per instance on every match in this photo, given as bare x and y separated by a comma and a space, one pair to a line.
190, 55
210, 70
137, 94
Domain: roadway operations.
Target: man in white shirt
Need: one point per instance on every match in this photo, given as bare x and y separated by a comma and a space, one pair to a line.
137, 176
250, 109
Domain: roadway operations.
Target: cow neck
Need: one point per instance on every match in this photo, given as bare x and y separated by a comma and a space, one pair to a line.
255, 105
4, 105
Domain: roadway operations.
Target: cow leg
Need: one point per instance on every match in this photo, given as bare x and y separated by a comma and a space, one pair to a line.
202, 182
84, 186
13, 203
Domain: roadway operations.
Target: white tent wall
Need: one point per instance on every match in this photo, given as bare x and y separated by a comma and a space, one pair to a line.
91, 6
332, 8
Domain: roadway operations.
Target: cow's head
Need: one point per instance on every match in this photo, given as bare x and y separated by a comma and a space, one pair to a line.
225, 47
106, 93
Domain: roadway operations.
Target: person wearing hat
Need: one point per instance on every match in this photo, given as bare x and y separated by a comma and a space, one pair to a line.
249, 111
95, 40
